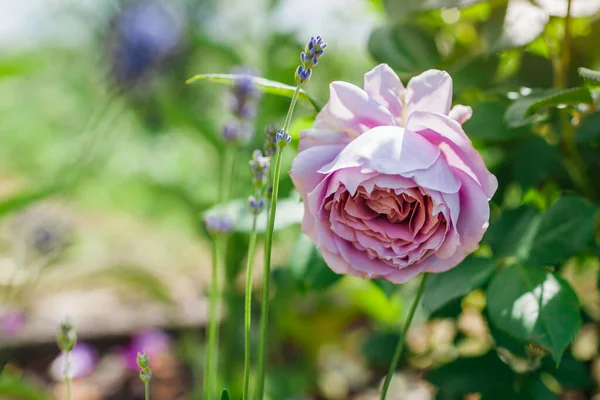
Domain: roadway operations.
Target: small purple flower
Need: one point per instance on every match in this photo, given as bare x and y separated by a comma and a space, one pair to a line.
12, 323
242, 102
83, 362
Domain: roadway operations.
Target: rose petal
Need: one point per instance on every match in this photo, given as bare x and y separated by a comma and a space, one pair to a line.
322, 136
382, 84
474, 212
460, 113
430, 91
389, 150
457, 148
351, 110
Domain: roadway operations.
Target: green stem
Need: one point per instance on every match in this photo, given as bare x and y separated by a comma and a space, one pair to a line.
400, 346
264, 318
210, 373
68, 374
147, 390
248, 309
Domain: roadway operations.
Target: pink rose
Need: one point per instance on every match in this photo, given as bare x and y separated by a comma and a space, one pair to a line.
391, 184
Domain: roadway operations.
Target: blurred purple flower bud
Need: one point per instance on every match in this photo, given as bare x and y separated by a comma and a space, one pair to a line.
218, 223
83, 362
151, 342
12, 323
145, 32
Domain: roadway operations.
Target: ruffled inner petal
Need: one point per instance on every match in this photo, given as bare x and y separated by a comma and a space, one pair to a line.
394, 227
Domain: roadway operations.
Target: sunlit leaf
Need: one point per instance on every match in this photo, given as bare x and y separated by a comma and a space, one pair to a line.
534, 305
268, 86
569, 96
289, 212
589, 75
514, 26
512, 234
467, 276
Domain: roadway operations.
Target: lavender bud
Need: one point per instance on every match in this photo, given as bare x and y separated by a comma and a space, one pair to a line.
259, 166
270, 140
256, 205
309, 58
283, 138
66, 337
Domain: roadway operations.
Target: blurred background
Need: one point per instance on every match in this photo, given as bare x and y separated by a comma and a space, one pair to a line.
108, 161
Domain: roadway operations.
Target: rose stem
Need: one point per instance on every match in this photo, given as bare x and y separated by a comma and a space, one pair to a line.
400, 345
264, 318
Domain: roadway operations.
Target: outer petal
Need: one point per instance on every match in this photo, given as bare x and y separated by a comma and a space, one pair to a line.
474, 212
351, 110
460, 113
430, 91
319, 137
456, 147
389, 150
382, 84
305, 177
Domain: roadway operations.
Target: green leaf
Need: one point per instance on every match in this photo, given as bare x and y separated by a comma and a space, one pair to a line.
534, 388
136, 278
308, 267
569, 96
516, 114
571, 373
387, 287
17, 388
271, 87
225, 395
487, 375
487, 123
534, 161
24, 199
405, 48
548, 238
566, 228
512, 234
289, 212
467, 276
589, 75
589, 129
400, 7
535, 305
